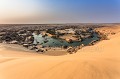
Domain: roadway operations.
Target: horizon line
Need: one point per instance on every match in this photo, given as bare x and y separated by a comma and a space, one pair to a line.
60, 23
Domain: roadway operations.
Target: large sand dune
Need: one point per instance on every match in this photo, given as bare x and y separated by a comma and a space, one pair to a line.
101, 61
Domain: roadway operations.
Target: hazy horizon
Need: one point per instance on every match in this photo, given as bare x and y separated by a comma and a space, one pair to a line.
59, 11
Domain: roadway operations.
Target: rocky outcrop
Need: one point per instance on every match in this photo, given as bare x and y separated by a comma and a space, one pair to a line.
31, 37
93, 42
72, 50
69, 40
103, 36
11, 36
33, 47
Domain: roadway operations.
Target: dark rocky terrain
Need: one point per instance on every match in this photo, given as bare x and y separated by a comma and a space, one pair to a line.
22, 34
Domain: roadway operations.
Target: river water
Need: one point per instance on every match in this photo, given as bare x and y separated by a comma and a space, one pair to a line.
53, 42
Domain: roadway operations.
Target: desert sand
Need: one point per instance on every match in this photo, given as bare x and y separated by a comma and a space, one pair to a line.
101, 61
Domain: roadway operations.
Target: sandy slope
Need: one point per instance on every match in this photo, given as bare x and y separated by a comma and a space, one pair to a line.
101, 61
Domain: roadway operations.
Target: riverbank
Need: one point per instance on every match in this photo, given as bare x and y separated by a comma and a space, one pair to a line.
51, 51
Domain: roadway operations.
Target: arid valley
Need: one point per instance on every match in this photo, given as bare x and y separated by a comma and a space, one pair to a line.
97, 60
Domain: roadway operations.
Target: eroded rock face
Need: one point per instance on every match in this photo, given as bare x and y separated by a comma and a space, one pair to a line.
69, 40
2, 33
0, 39
15, 37
29, 39
71, 50
64, 47
10, 36
21, 32
14, 42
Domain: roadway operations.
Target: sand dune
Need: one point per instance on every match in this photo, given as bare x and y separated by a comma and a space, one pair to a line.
101, 61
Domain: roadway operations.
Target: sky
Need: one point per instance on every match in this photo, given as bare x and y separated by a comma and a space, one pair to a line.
59, 11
